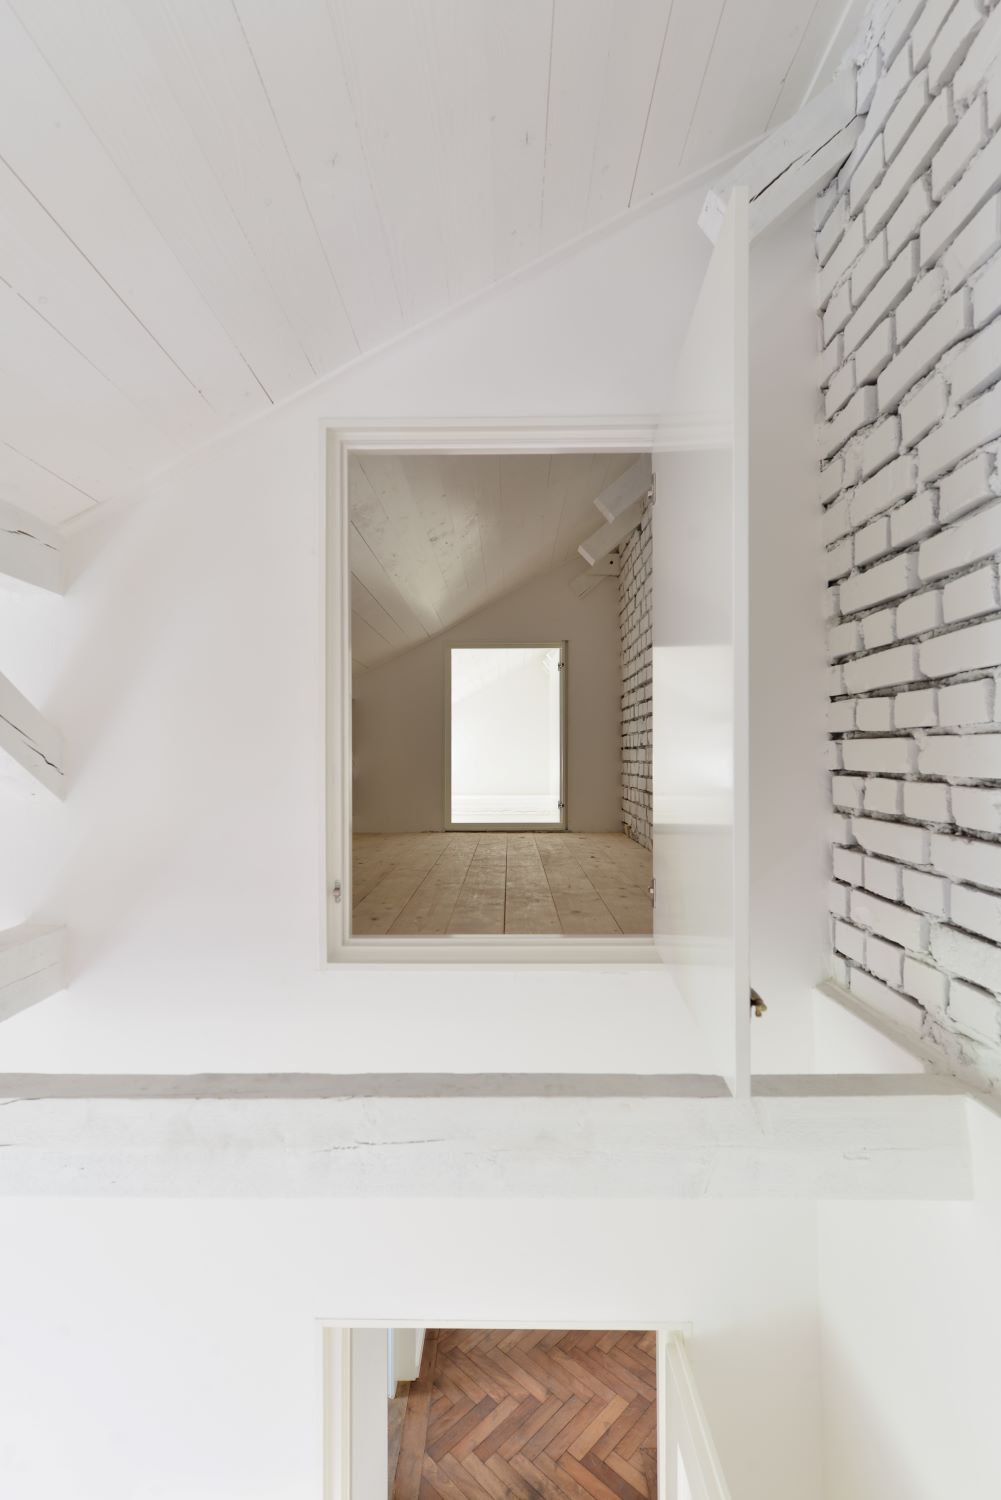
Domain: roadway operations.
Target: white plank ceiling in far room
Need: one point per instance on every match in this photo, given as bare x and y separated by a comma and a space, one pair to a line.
204, 207
436, 537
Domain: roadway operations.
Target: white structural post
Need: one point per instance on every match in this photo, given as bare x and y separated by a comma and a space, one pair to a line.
29, 740
29, 549
31, 966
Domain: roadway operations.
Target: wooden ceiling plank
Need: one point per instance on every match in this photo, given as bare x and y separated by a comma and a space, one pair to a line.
584, 33
203, 53
39, 489
518, 53
689, 43
368, 570
367, 645
366, 605
49, 145
633, 64
383, 511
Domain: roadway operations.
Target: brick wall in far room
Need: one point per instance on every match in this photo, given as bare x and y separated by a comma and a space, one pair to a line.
635, 631
909, 247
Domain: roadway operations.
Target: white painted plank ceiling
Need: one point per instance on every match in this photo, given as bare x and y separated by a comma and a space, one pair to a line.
205, 205
436, 537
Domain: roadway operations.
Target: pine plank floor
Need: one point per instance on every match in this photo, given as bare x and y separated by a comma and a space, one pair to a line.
578, 884
543, 1415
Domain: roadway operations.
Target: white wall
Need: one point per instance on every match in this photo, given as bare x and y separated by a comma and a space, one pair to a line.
172, 1349
399, 722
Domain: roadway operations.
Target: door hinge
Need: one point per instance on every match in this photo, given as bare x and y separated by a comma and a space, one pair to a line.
335, 891
652, 892
758, 1006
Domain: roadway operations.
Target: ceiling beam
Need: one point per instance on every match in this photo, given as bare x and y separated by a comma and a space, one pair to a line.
630, 486
29, 740
29, 549
31, 966
793, 161
612, 534
298, 1136
589, 578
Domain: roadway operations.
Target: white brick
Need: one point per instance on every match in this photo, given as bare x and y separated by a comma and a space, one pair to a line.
973, 1011
893, 840
837, 312
943, 329
837, 899
874, 353
843, 640
905, 115
926, 29
860, 411
919, 614
829, 360
867, 76
835, 523
835, 680
834, 226
880, 445
927, 893
971, 757
882, 795
899, 24
847, 792
874, 714
885, 960
882, 878
882, 669
909, 217
967, 859
869, 267
973, 594
923, 409
849, 941
917, 710
851, 247
838, 969
841, 716
898, 923
887, 580
896, 756
896, 482
958, 546
977, 911
977, 364
886, 1002
831, 479
977, 808
872, 541
966, 702
975, 425
848, 866
892, 82
969, 957
926, 801
975, 244
832, 755
956, 151
987, 294
891, 287
831, 605
914, 520
840, 389
953, 41
840, 829
868, 170
925, 984
967, 487
912, 159
839, 559
981, 178
878, 629
985, 48
925, 297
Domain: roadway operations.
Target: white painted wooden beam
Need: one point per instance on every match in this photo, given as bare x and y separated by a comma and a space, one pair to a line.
632, 485
793, 161
611, 535
537, 1136
29, 739
29, 549
31, 966
589, 578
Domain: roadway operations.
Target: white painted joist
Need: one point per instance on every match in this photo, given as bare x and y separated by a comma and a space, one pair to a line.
293, 1137
610, 536
29, 549
589, 578
29, 740
31, 966
632, 485
793, 161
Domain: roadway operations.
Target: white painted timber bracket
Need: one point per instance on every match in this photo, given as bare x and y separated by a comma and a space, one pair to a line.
31, 966
486, 1135
30, 550
30, 741
794, 160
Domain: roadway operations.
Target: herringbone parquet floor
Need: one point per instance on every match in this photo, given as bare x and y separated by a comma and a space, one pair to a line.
531, 1416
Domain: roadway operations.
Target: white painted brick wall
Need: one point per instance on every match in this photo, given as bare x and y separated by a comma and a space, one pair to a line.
909, 301
636, 717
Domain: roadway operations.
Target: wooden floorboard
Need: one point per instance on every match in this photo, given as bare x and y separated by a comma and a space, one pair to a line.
577, 884
517, 1415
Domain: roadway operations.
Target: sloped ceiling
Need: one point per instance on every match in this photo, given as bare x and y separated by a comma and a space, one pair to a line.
434, 538
205, 205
